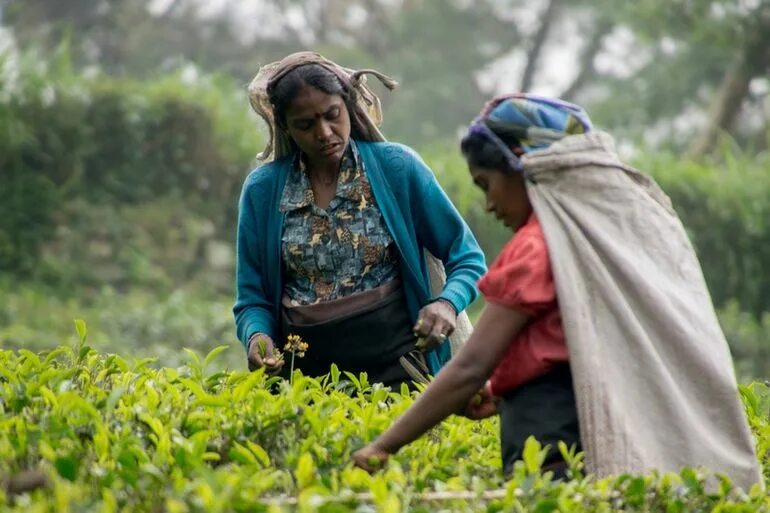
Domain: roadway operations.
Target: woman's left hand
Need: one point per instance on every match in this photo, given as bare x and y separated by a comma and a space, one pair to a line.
482, 405
435, 322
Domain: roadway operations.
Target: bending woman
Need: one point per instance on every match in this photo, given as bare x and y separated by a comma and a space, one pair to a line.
598, 329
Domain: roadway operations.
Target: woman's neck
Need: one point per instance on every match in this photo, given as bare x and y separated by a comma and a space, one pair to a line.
325, 174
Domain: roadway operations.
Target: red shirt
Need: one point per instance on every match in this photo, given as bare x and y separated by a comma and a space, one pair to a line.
521, 279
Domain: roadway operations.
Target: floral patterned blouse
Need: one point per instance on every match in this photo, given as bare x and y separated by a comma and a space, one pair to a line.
343, 249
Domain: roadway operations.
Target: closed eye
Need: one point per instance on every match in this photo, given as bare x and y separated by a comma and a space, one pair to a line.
480, 184
332, 113
303, 124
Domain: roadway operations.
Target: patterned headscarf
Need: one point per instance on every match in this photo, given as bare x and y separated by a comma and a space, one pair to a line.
365, 117
534, 121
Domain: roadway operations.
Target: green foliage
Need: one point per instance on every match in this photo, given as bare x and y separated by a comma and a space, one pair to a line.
36, 150
24, 229
113, 435
723, 205
72, 145
156, 245
749, 340
135, 324
757, 402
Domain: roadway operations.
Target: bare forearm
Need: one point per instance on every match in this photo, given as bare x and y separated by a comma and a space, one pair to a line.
459, 380
448, 394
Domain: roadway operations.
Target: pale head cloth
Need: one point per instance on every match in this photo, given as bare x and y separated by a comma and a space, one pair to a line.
365, 118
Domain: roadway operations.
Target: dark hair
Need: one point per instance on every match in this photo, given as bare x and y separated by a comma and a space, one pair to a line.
480, 152
283, 93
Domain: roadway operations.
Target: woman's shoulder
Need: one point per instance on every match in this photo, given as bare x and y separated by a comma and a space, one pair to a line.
398, 162
266, 174
527, 242
520, 276
388, 150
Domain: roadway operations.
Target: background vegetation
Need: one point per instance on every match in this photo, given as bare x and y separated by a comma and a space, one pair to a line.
119, 201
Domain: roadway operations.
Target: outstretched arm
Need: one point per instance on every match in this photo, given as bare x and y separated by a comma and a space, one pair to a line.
450, 392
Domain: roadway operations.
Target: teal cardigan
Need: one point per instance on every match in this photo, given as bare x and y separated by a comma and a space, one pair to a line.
416, 210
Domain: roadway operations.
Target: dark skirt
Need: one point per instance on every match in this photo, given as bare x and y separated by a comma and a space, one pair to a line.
369, 340
544, 408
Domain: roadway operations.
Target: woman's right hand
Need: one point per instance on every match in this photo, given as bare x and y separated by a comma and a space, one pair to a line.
371, 458
262, 354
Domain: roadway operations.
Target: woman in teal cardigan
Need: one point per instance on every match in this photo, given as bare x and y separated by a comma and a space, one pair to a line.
333, 235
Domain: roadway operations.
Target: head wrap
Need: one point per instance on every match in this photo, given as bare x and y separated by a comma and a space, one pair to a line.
534, 121
365, 117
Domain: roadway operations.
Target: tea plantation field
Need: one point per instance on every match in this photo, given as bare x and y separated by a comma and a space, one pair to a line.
87, 432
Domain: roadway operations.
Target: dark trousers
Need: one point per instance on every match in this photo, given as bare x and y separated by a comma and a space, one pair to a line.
544, 408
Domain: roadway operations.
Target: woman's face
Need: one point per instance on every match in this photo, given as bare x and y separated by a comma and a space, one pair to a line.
506, 195
320, 125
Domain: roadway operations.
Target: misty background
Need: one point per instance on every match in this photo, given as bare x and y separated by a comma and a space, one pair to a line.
125, 135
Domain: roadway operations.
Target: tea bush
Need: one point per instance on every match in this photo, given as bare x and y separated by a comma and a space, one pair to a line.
137, 322
69, 143
723, 204
131, 324
85, 431
749, 340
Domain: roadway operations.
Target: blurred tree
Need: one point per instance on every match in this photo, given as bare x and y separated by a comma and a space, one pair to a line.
547, 20
596, 30
678, 71
749, 58
438, 62
433, 48
127, 37
99, 29
690, 64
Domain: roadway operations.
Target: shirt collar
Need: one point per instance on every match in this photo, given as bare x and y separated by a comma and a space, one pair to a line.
298, 193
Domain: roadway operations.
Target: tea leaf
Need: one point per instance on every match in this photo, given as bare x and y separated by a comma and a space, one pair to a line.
305, 472
259, 453
237, 441
546, 506
8, 375
31, 358
212, 355
67, 467
193, 356
533, 455
82, 330
51, 356
334, 372
49, 396
636, 491
750, 400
